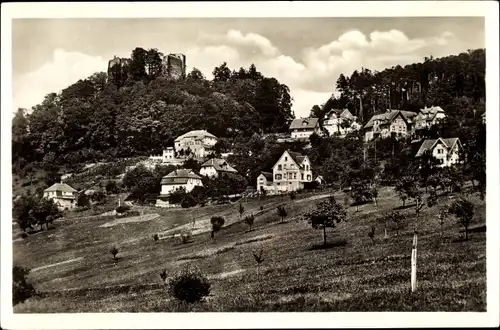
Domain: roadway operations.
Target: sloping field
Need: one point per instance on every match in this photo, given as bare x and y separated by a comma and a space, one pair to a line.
362, 275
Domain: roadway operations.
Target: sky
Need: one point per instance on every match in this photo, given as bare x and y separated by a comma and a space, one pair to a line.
307, 54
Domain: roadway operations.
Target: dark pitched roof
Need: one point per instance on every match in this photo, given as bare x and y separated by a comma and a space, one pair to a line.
304, 123
267, 175
179, 177
343, 113
298, 158
429, 144
220, 165
388, 117
431, 112
60, 187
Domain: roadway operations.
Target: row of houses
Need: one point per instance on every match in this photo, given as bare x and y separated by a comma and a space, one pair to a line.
396, 123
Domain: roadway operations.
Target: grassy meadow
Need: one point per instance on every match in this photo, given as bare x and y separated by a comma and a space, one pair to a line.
73, 270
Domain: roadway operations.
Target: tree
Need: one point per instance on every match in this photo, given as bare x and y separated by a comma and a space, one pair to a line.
114, 251
249, 220
31, 210
361, 193
398, 219
280, 210
326, 214
21, 289
217, 223
189, 286
463, 210
98, 196
374, 194
241, 210
371, 233
112, 187
293, 195
82, 200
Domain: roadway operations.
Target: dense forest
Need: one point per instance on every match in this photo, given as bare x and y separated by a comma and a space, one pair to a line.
102, 119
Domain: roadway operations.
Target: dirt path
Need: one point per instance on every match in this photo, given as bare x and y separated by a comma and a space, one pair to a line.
57, 264
140, 218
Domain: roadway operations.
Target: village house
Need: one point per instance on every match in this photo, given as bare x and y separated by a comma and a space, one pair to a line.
396, 123
63, 195
198, 144
340, 122
265, 183
428, 117
214, 166
289, 173
303, 128
178, 179
446, 151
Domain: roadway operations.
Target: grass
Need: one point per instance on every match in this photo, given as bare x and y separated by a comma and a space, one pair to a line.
360, 276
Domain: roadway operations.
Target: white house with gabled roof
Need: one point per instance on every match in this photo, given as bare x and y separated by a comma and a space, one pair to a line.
289, 173
213, 167
446, 151
303, 128
62, 194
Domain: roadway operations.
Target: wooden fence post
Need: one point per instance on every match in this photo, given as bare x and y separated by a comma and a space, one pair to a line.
414, 264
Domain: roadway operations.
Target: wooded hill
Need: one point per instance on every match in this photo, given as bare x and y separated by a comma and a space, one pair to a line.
96, 120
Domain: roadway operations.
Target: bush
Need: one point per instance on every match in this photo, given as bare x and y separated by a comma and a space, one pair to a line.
114, 252
21, 289
185, 237
189, 286
156, 237
122, 208
217, 223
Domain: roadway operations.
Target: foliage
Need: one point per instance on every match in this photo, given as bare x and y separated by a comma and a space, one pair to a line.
463, 210
249, 220
98, 196
326, 214
29, 210
185, 237
293, 195
112, 187
122, 209
82, 200
217, 223
189, 286
406, 188
397, 219
371, 233
241, 209
361, 193
280, 210
114, 251
21, 289
156, 237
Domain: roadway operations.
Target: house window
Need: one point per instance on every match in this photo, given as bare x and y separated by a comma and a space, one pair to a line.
286, 158
277, 176
302, 176
441, 161
308, 178
295, 175
440, 151
279, 167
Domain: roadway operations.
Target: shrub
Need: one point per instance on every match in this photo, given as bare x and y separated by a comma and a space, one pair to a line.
217, 223
249, 220
114, 252
156, 237
122, 208
189, 286
280, 210
293, 195
82, 200
185, 237
21, 289
262, 208
371, 233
